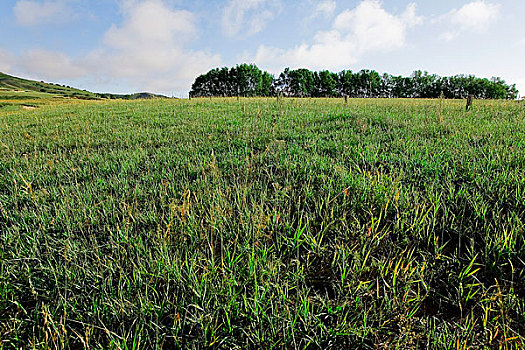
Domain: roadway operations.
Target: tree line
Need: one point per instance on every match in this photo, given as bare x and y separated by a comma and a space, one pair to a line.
249, 81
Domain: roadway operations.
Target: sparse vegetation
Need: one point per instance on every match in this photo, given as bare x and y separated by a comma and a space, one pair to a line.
263, 223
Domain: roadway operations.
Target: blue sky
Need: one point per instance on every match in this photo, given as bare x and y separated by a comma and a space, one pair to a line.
162, 45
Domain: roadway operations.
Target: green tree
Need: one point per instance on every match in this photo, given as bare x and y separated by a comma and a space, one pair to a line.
325, 84
249, 80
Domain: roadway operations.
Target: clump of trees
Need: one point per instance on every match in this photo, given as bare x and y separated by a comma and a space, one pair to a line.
248, 80
242, 80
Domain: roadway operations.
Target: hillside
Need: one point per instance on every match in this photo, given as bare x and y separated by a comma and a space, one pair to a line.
13, 88
18, 88
135, 96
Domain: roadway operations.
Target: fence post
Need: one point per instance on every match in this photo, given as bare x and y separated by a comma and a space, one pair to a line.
469, 102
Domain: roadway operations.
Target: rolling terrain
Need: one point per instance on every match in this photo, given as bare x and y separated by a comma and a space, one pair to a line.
13, 89
18, 88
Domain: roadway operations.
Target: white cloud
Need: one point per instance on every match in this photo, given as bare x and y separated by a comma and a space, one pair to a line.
410, 18
325, 8
520, 85
475, 16
521, 42
30, 13
148, 51
366, 28
151, 22
149, 48
6, 61
51, 65
248, 17
369, 27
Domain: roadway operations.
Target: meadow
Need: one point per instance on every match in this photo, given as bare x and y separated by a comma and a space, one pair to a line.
263, 224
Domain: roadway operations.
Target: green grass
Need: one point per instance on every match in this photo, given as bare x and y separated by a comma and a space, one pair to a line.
20, 96
13, 88
263, 223
17, 89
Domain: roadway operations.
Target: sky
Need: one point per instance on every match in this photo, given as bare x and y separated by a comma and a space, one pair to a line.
161, 46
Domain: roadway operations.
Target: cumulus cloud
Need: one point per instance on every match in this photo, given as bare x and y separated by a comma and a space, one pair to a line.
31, 13
147, 51
51, 65
149, 48
410, 17
151, 22
475, 16
248, 17
366, 28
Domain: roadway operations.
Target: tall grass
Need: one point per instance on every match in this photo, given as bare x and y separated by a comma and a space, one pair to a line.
263, 223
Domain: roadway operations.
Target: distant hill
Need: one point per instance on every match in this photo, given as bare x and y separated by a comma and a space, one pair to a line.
136, 96
13, 88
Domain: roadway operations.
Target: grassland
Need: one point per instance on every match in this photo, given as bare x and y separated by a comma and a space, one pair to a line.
17, 90
14, 88
263, 223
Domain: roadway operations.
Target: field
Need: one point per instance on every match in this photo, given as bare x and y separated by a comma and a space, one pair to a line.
262, 223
